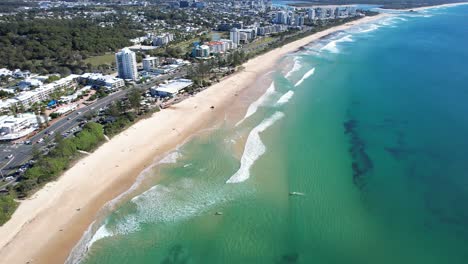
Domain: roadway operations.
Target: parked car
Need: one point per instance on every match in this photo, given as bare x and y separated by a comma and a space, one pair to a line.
9, 156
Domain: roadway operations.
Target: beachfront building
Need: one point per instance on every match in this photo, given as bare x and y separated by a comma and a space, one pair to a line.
311, 13
300, 21
281, 17
202, 51
126, 64
150, 63
217, 47
234, 36
171, 88
250, 33
267, 30
12, 127
99, 80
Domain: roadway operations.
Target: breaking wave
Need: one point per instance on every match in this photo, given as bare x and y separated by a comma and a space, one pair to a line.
254, 148
307, 75
260, 101
297, 66
285, 98
332, 45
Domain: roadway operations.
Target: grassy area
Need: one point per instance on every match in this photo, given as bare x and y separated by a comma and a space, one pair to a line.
186, 46
7, 208
99, 60
221, 34
261, 41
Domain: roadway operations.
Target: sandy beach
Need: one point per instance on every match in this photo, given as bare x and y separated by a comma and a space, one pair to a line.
47, 226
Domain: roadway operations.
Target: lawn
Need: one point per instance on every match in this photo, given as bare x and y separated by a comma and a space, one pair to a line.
99, 60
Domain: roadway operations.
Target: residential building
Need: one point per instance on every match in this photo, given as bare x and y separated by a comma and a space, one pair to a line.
12, 127
217, 46
150, 63
108, 81
163, 39
235, 36
126, 64
311, 14
202, 51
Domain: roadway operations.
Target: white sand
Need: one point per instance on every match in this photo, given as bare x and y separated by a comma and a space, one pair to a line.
46, 227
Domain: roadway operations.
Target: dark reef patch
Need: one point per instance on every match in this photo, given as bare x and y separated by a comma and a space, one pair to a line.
177, 255
362, 163
289, 258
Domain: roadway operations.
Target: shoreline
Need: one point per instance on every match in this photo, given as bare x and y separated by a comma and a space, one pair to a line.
51, 223
431, 7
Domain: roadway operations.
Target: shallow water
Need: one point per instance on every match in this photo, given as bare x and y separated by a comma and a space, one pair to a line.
375, 139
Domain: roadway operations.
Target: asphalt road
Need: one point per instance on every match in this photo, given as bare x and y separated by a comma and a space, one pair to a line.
22, 153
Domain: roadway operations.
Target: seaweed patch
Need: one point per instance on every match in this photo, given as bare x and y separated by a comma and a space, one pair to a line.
362, 163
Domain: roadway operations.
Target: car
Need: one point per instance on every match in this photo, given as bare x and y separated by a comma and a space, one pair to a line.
68, 118
78, 113
51, 132
27, 142
9, 178
9, 156
40, 140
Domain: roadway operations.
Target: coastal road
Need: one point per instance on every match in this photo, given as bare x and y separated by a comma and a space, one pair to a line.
22, 153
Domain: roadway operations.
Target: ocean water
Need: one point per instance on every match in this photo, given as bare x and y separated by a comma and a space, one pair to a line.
368, 127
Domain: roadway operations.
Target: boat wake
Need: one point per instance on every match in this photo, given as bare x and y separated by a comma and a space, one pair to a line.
307, 75
254, 148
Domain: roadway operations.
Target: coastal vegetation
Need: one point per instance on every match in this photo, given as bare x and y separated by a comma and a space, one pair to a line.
62, 46
7, 207
49, 167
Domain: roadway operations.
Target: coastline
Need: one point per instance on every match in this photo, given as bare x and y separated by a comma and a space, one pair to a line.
49, 224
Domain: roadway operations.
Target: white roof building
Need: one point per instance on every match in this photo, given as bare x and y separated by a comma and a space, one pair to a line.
171, 88
12, 128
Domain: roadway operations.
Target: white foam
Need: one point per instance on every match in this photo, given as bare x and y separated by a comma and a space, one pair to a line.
369, 28
285, 98
297, 66
307, 75
332, 45
101, 233
254, 148
170, 158
259, 102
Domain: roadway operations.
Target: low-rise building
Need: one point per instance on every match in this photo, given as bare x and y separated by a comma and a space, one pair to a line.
150, 63
171, 88
163, 39
12, 127
97, 79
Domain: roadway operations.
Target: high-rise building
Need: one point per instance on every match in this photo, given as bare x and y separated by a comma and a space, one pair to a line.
300, 21
126, 64
281, 17
235, 36
311, 14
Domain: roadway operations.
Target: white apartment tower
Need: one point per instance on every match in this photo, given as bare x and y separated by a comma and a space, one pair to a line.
126, 64
235, 36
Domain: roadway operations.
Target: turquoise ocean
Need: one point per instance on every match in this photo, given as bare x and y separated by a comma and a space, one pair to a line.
369, 129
